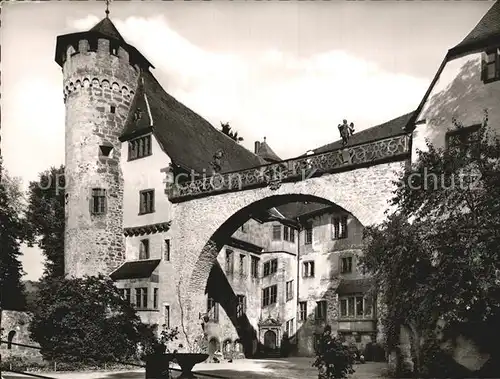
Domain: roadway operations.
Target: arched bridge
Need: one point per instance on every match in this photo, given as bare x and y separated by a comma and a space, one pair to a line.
208, 210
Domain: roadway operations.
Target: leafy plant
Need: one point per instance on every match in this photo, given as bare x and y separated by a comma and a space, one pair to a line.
334, 360
85, 320
444, 237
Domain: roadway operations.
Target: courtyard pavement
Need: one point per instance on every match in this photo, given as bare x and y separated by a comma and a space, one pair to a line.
290, 368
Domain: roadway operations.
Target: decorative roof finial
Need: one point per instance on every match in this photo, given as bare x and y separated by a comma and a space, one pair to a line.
264, 139
107, 8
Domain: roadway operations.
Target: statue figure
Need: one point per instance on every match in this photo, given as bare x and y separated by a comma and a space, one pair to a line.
346, 131
137, 114
217, 161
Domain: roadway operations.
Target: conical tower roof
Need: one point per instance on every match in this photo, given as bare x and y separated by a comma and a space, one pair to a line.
108, 29
486, 33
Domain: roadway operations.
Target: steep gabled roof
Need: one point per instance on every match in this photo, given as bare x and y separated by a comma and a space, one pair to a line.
187, 138
388, 129
266, 153
485, 33
108, 29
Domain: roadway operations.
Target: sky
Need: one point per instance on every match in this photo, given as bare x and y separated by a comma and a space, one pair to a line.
287, 71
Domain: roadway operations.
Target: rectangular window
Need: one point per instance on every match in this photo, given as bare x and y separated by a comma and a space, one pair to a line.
339, 227
166, 249
269, 295
286, 233
155, 298
167, 316
141, 298
346, 265
308, 234
355, 307
144, 249
303, 311
320, 312
490, 66
289, 327
255, 267
308, 269
213, 310
147, 201
241, 306
139, 148
270, 267
462, 138
242, 265
276, 232
289, 290
98, 201
229, 261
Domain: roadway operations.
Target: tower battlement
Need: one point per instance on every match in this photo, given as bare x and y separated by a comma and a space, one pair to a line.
100, 78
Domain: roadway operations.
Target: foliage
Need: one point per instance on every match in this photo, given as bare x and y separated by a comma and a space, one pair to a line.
85, 320
226, 129
45, 214
13, 232
333, 358
444, 237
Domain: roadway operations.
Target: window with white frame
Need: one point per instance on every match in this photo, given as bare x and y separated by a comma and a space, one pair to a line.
355, 306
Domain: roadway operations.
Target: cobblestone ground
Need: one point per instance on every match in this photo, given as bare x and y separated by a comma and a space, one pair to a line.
290, 368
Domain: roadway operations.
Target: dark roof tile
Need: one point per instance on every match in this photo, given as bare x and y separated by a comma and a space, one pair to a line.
266, 153
486, 31
135, 269
189, 140
388, 129
351, 286
107, 28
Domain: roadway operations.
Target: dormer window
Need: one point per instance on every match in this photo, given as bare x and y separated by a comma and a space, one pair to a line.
139, 148
490, 66
113, 48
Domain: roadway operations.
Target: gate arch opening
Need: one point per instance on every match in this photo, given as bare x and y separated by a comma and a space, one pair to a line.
208, 277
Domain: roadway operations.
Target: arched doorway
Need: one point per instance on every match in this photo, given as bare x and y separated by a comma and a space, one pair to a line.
270, 339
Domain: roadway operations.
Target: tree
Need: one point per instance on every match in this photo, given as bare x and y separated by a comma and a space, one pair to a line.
85, 320
13, 232
444, 237
334, 360
226, 129
45, 214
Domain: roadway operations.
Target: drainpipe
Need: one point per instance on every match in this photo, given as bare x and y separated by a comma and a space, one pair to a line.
298, 287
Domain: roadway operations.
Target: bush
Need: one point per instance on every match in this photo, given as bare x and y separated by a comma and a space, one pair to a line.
333, 359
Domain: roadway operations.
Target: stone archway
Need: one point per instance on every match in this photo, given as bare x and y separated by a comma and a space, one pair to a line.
203, 225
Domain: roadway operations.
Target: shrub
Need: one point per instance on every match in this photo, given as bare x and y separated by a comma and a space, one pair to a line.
333, 359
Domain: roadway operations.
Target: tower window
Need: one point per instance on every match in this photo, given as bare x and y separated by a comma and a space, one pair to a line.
308, 269
490, 69
269, 295
147, 199
112, 109
113, 48
139, 148
346, 265
339, 226
144, 249
105, 151
166, 248
98, 201
309, 234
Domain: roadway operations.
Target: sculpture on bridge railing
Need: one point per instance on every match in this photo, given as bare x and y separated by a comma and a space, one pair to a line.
217, 161
346, 131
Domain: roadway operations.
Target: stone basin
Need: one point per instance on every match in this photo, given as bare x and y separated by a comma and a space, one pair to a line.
187, 361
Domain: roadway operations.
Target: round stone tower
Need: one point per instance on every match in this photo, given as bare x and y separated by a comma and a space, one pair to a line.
100, 77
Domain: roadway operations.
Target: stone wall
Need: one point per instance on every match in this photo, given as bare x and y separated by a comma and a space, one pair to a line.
94, 82
364, 193
17, 323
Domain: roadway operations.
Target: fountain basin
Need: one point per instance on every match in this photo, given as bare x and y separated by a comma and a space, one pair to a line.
187, 361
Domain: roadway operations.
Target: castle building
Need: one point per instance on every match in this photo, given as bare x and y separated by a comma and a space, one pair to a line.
292, 268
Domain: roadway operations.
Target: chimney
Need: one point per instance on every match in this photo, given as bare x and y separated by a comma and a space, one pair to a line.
257, 146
